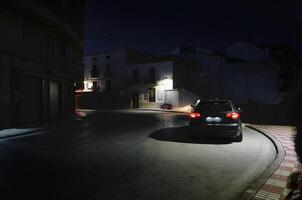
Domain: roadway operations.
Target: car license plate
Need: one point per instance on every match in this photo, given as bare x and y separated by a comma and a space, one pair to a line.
213, 119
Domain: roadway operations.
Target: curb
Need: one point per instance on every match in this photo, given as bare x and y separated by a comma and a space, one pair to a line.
172, 111
50, 125
252, 189
21, 133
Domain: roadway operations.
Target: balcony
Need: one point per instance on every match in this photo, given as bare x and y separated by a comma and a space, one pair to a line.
145, 82
94, 73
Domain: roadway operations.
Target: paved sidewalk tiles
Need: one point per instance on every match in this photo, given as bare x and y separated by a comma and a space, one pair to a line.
276, 187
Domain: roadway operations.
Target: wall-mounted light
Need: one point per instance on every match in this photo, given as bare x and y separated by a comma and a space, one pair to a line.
166, 84
88, 85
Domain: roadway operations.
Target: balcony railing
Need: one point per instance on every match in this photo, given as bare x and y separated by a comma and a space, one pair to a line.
94, 73
145, 82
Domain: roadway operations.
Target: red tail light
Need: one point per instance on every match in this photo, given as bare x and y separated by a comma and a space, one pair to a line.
195, 115
233, 115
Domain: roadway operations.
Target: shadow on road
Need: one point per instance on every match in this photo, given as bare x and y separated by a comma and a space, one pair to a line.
182, 134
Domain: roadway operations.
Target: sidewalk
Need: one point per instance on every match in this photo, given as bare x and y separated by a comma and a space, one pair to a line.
48, 125
275, 188
13, 132
184, 109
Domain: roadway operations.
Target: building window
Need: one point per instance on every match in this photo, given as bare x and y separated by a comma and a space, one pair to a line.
135, 76
108, 72
151, 94
94, 72
152, 77
108, 57
95, 86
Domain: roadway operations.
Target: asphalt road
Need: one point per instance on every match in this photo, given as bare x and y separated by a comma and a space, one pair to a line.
129, 155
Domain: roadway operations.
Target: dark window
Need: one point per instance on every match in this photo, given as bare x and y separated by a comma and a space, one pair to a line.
108, 57
152, 77
94, 72
151, 94
108, 72
108, 85
95, 86
135, 76
94, 58
214, 106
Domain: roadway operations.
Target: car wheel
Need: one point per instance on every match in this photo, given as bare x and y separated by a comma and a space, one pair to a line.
238, 138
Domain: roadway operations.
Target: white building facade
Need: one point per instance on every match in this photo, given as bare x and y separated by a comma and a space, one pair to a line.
243, 73
106, 71
250, 74
154, 84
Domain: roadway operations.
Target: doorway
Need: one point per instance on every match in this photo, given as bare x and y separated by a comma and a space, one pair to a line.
135, 100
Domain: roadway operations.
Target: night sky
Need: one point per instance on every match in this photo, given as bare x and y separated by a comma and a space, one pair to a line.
161, 26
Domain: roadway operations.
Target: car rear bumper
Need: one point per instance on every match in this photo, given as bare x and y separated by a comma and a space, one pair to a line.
216, 130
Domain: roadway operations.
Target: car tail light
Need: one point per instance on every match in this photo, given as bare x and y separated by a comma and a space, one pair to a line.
233, 115
195, 115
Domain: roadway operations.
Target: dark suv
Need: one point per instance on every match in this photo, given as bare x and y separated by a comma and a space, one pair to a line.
216, 118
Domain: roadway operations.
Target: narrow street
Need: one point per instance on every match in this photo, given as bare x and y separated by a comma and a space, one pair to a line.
129, 155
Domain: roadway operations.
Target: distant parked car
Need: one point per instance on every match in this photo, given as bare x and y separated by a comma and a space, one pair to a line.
166, 106
216, 118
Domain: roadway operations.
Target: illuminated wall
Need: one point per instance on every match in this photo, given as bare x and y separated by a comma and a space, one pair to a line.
172, 84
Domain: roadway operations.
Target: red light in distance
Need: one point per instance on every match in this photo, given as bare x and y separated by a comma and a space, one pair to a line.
195, 115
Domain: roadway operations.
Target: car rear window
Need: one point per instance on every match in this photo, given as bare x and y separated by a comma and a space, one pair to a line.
213, 107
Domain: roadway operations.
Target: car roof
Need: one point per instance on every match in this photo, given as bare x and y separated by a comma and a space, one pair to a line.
216, 100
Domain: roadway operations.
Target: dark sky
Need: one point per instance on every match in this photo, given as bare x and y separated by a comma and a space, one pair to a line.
160, 26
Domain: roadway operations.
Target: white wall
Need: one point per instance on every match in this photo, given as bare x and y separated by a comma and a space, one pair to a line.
206, 77
166, 91
88, 63
117, 62
251, 81
210, 65
246, 51
172, 97
163, 70
187, 97
259, 82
